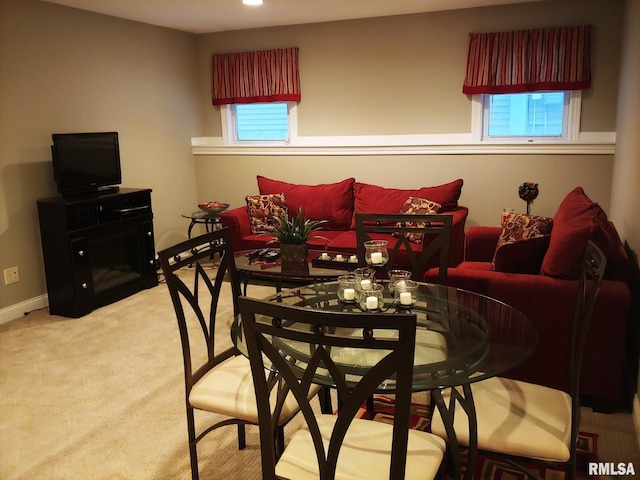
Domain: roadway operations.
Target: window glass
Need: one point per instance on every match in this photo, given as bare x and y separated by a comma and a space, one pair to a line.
262, 121
532, 114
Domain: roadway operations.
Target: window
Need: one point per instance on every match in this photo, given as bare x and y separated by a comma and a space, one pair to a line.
530, 116
259, 122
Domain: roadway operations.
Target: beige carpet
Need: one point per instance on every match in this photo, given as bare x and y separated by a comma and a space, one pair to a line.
101, 397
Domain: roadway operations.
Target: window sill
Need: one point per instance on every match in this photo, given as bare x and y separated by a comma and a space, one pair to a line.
595, 143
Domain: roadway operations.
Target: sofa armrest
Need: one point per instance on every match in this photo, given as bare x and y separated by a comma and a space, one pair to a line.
237, 221
549, 303
480, 243
456, 244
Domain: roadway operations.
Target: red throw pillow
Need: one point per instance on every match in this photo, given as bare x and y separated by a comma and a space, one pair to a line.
522, 243
578, 220
417, 206
332, 202
263, 210
375, 199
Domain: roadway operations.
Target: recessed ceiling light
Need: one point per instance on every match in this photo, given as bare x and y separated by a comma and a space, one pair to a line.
252, 2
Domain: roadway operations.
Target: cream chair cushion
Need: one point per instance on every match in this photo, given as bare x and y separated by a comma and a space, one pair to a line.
228, 389
365, 452
515, 418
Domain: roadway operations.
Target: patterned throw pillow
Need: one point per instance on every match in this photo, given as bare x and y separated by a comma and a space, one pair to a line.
522, 244
417, 206
263, 210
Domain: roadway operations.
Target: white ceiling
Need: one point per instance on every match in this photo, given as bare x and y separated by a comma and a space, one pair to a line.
206, 16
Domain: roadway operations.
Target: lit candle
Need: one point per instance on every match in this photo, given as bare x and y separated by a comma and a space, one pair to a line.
339, 258
324, 256
365, 284
349, 294
376, 257
353, 259
372, 303
405, 298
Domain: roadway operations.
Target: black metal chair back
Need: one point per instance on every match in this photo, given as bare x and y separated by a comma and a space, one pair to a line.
436, 237
298, 342
187, 268
594, 264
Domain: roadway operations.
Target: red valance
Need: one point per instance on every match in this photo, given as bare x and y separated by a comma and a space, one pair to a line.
250, 77
529, 60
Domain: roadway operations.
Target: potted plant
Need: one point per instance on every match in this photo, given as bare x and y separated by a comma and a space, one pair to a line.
293, 234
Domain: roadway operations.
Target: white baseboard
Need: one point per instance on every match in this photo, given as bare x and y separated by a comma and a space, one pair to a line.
636, 416
19, 309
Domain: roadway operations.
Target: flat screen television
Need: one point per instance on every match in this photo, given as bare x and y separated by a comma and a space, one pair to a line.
85, 163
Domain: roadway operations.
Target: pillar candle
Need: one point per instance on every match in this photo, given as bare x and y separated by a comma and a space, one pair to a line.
349, 294
372, 303
405, 298
376, 257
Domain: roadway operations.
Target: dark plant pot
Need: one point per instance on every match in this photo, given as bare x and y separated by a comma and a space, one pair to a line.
294, 253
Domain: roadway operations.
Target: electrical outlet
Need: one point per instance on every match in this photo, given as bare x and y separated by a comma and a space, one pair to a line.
11, 275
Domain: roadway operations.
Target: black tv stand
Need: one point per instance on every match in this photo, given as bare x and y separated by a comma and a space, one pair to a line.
98, 248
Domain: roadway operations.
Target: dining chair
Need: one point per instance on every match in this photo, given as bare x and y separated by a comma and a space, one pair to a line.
523, 420
355, 353
416, 239
217, 377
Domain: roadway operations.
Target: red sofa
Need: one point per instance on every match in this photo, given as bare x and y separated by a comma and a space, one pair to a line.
338, 203
547, 297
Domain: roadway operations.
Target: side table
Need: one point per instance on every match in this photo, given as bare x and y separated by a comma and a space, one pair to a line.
211, 221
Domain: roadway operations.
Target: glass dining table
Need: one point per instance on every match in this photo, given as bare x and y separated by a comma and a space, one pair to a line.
462, 337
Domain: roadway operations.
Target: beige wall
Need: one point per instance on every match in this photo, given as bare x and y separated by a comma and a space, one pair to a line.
626, 172
403, 75
490, 181
65, 70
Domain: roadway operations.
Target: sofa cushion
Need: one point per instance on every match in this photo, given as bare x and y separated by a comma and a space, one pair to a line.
578, 220
417, 206
375, 199
332, 202
522, 244
263, 210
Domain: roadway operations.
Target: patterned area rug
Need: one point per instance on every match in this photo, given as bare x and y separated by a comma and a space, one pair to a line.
489, 466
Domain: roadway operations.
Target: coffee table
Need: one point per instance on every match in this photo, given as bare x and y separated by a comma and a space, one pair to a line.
279, 273
211, 221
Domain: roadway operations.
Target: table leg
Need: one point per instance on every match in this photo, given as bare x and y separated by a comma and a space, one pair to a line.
324, 397
465, 399
193, 222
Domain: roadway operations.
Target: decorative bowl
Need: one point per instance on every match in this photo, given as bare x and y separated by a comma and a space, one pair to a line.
213, 207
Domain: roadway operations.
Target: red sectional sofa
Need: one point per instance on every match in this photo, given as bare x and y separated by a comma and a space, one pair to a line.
338, 203
547, 297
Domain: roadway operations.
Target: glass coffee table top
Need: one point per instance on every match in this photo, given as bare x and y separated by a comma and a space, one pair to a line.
276, 269
462, 336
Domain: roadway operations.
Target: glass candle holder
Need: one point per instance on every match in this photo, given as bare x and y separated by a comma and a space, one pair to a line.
376, 253
347, 288
372, 298
406, 293
365, 273
396, 276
